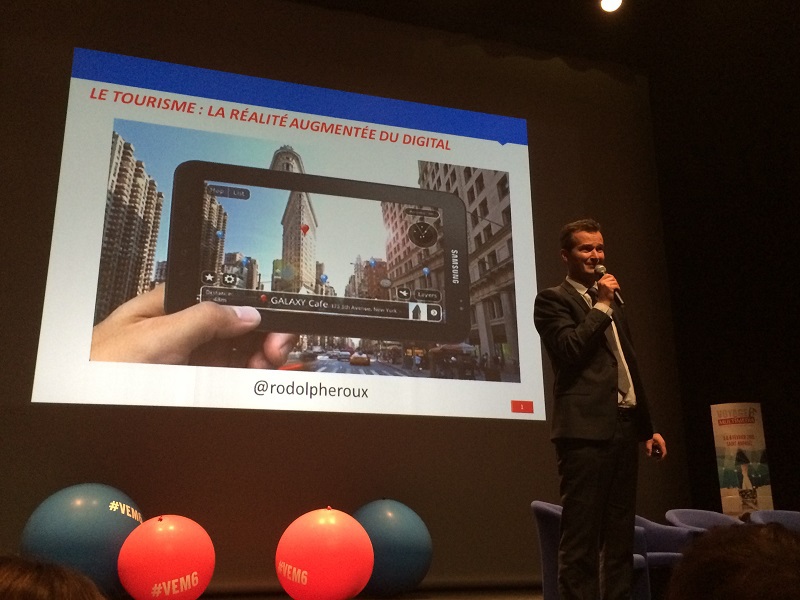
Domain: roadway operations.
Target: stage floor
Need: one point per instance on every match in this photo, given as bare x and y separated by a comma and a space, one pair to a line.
513, 594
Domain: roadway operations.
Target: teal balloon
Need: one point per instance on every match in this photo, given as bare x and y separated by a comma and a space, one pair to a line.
402, 545
83, 527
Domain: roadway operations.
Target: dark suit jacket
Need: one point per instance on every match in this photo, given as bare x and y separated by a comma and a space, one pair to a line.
585, 404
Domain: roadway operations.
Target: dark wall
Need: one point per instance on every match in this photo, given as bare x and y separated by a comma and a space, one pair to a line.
727, 125
245, 475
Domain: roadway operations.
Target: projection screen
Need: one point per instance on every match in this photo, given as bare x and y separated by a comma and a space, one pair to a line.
380, 233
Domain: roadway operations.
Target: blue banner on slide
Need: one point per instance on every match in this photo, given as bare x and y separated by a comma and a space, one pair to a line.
218, 85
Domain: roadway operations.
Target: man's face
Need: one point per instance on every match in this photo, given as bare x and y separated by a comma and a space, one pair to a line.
584, 256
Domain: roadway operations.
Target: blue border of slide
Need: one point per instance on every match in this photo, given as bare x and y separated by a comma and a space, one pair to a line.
149, 74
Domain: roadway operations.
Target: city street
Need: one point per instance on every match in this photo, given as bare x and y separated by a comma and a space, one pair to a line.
325, 364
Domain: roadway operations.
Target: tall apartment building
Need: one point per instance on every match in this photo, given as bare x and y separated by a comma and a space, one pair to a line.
299, 249
486, 196
374, 275
132, 219
244, 270
276, 283
405, 260
160, 273
368, 280
323, 288
355, 286
212, 237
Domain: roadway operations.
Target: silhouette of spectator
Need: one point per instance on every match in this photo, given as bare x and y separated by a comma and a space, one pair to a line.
24, 579
754, 562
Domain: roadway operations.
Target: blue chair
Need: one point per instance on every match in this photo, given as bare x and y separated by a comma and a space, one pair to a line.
548, 522
698, 520
640, 589
665, 546
665, 543
788, 518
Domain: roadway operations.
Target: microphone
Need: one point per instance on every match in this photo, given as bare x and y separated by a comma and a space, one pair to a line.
600, 270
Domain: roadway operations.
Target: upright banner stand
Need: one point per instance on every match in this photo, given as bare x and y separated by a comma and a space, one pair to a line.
744, 481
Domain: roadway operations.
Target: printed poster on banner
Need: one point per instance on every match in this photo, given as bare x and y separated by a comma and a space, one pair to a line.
742, 466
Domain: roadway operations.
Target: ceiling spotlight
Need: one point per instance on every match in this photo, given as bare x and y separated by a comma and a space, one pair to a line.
610, 5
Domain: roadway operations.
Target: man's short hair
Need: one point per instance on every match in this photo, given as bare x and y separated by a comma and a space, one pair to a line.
567, 238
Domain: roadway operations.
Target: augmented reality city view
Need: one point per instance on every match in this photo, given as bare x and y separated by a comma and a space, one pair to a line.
379, 255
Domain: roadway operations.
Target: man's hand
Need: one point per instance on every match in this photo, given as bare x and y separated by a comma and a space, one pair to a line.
656, 440
606, 286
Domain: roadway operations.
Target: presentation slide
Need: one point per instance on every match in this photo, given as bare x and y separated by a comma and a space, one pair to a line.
376, 239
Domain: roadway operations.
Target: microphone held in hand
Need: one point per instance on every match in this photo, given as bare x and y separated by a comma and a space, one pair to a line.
600, 270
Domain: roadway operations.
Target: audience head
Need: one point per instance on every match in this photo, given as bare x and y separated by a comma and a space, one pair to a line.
24, 579
753, 562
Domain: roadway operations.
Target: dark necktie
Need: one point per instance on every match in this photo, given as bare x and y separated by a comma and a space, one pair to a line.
623, 380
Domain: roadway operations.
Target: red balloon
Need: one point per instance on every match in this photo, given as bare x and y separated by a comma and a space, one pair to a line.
166, 557
304, 228
324, 555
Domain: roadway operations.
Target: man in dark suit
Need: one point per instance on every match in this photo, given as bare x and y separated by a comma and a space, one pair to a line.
600, 414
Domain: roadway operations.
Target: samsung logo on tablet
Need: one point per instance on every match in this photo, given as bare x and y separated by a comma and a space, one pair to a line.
454, 265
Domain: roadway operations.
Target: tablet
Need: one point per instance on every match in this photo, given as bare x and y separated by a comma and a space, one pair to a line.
245, 236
